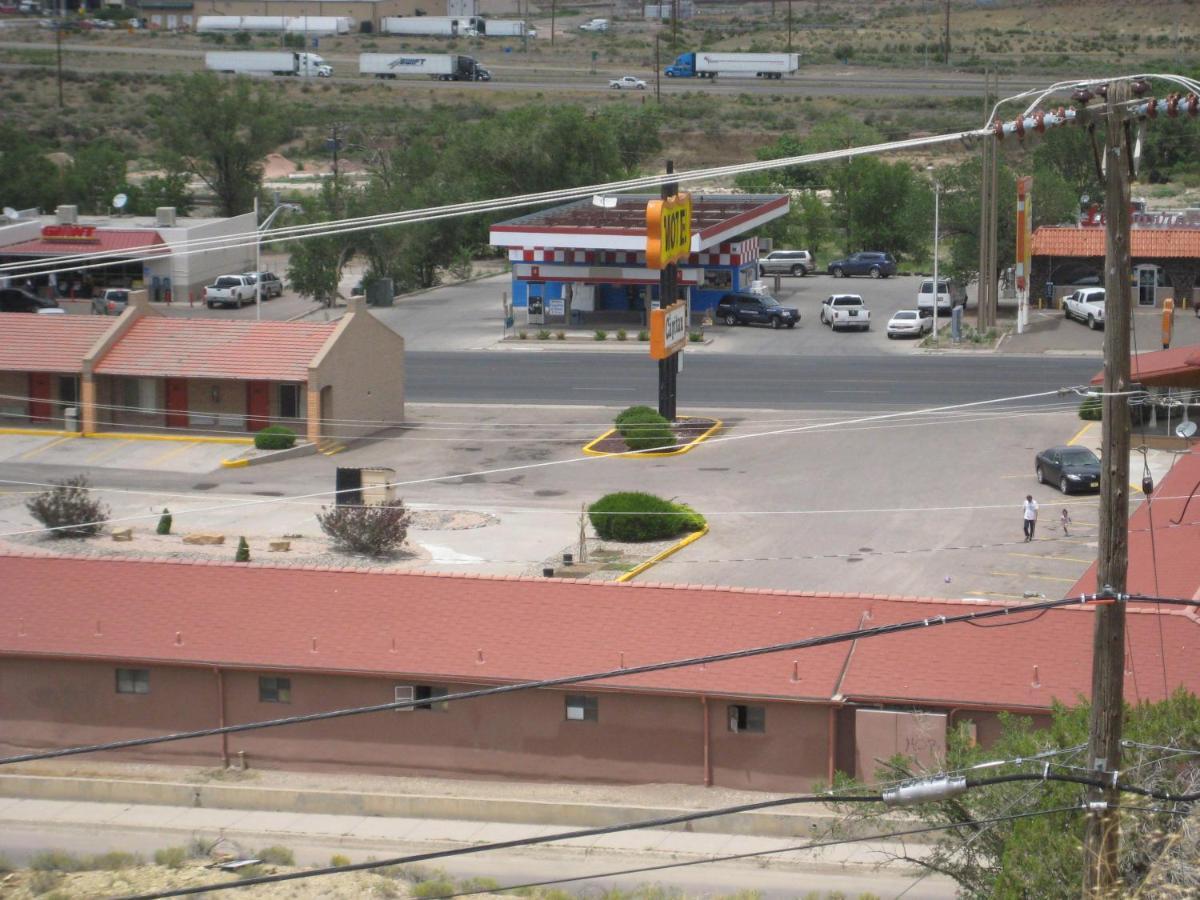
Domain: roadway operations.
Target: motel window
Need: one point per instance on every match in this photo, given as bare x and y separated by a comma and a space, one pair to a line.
582, 709
139, 394
289, 401
426, 696
748, 718
274, 690
133, 681
68, 390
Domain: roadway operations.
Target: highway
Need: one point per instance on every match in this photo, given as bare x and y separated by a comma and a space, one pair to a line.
724, 381
827, 81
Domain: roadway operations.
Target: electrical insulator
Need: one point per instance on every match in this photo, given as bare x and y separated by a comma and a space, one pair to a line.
1147, 485
1139, 87
925, 791
1173, 105
1082, 95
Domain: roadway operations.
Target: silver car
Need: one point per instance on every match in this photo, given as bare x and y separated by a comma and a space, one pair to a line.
786, 262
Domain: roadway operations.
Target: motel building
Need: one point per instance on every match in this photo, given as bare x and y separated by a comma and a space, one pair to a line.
583, 263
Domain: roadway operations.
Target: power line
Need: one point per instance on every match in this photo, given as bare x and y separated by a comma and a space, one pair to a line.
733, 857
960, 785
1099, 599
522, 467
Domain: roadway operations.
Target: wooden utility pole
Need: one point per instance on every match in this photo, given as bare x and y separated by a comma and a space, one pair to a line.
553, 12
1102, 831
993, 222
789, 26
58, 45
657, 70
946, 57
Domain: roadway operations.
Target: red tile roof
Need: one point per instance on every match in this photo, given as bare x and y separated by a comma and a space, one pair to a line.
1175, 548
501, 629
1159, 367
1089, 242
47, 343
210, 348
107, 239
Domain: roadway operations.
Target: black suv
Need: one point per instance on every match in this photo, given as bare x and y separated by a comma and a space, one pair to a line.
756, 309
877, 265
20, 300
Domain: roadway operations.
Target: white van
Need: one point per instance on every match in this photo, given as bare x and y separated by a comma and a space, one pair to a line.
949, 295
595, 25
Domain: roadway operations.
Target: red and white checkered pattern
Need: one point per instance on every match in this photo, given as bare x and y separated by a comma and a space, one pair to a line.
729, 253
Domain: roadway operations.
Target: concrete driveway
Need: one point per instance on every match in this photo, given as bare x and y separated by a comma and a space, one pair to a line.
1050, 332
134, 454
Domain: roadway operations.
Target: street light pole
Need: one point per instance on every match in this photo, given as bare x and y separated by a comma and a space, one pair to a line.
937, 192
257, 264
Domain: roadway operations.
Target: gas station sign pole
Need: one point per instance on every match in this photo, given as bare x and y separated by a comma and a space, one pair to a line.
668, 238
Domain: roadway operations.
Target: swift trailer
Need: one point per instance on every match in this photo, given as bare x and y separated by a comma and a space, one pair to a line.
432, 26
439, 66
709, 65
304, 65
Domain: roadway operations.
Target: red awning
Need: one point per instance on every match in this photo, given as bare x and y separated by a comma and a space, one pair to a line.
105, 241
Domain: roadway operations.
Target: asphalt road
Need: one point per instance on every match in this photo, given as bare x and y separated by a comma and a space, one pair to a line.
714, 380
826, 81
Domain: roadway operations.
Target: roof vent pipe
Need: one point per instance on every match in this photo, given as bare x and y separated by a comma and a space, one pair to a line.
67, 215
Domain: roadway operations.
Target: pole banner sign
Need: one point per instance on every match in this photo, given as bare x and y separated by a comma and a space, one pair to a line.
668, 330
1024, 230
668, 230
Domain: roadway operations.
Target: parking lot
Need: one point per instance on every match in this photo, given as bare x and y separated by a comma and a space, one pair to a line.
129, 454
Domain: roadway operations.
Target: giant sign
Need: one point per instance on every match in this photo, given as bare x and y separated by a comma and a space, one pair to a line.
668, 330
70, 233
668, 230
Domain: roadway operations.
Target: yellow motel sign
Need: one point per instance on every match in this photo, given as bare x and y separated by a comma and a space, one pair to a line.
668, 230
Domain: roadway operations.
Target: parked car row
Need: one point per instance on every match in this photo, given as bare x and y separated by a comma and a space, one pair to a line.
801, 262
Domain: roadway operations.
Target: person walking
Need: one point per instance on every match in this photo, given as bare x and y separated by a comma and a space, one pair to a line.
1031, 511
1065, 519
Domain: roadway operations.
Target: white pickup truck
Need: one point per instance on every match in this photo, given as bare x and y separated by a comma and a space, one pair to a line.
845, 311
1086, 305
230, 290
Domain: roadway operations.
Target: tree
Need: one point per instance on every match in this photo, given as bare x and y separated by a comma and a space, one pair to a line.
94, 177
69, 509
220, 130
882, 206
1040, 856
315, 263
370, 530
27, 176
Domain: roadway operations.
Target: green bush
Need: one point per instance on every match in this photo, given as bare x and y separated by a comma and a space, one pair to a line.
635, 516
243, 551
643, 335
275, 437
543, 334
432, 889
370, 530
56, 861
339, 859
644, 429
1091, 409
164, 522
114, 861
277, 855
600, 335
171, 857
622, 335
634, 411
69, 509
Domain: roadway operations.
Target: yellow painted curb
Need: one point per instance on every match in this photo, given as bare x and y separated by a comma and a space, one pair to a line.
650, 454
659, 557
191, 438
235, 463
41, 432
1080, 433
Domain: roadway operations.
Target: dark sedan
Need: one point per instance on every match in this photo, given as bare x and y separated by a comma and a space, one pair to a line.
1071, 468
875, 265
756, 309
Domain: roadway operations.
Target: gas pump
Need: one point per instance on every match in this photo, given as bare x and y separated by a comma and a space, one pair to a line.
535, 311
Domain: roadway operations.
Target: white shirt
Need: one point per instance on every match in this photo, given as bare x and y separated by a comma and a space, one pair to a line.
1031, 509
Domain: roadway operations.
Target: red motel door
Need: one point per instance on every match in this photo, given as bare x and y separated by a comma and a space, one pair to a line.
39, 397
177, 403
258, 405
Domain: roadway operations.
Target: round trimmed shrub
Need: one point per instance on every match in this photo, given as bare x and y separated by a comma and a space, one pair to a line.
275, 437
1091, 409
636, 516
644, 429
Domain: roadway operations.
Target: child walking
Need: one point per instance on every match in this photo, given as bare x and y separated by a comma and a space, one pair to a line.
1065, 519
